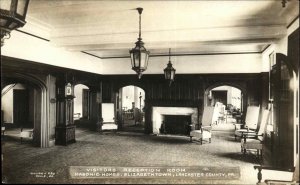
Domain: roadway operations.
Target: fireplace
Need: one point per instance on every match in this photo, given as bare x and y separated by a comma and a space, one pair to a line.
174, 119
176, 124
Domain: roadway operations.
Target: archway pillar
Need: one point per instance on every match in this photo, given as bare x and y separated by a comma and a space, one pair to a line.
44, 112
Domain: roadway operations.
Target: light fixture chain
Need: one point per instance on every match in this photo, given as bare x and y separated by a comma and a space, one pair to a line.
169, 55
140, 25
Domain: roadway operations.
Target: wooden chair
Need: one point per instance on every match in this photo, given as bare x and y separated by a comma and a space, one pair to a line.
294, 180
108, 117
254, 141
251, 122
206, 126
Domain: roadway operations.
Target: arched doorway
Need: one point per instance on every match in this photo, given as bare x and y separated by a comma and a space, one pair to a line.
29, 107
81, 105
230, 101
17, 108
131, 103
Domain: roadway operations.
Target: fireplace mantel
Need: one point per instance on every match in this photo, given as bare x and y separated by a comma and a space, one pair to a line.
159, 112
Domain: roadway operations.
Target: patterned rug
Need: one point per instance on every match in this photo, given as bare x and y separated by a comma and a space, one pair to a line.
22, 163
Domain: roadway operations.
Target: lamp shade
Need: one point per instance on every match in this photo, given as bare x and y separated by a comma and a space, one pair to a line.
139, 57
12, 16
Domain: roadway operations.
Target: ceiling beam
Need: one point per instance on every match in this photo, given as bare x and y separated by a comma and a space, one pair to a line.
198, 35
174, 44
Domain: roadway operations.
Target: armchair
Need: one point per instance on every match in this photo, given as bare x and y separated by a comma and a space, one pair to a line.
108, 117
294, 180
251, 121
253, 140
206, 126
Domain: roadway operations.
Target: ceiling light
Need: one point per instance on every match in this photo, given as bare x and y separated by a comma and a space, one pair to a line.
139, 55
12, 16
169, 70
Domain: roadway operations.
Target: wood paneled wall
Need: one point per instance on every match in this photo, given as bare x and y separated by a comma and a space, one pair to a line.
187, 90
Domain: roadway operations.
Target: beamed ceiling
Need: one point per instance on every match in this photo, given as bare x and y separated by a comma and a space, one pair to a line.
110, 28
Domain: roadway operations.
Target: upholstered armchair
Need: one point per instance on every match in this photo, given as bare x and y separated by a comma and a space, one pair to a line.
254, 140
250, 124
108, 117
204, 133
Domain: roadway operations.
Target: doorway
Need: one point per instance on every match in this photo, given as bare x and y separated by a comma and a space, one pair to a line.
282, 94
21, 107
18, 109
219, 96
81, 106
131, 104
229, 103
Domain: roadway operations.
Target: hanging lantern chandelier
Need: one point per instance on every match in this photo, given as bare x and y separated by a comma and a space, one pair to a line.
139, 54
169, 70
12, 16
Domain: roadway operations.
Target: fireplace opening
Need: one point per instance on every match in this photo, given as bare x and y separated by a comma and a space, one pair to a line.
176, 124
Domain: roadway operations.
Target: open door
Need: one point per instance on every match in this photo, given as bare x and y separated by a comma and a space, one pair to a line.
283, 123
85, 103
20, 107
220, 96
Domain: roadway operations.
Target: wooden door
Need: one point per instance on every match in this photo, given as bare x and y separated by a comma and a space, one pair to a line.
293, 53
120, 118
20, 107
283, 122
85, 103
220, 96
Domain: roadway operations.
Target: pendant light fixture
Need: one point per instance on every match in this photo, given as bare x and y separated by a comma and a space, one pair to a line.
169, 70
139, 55
12, 16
